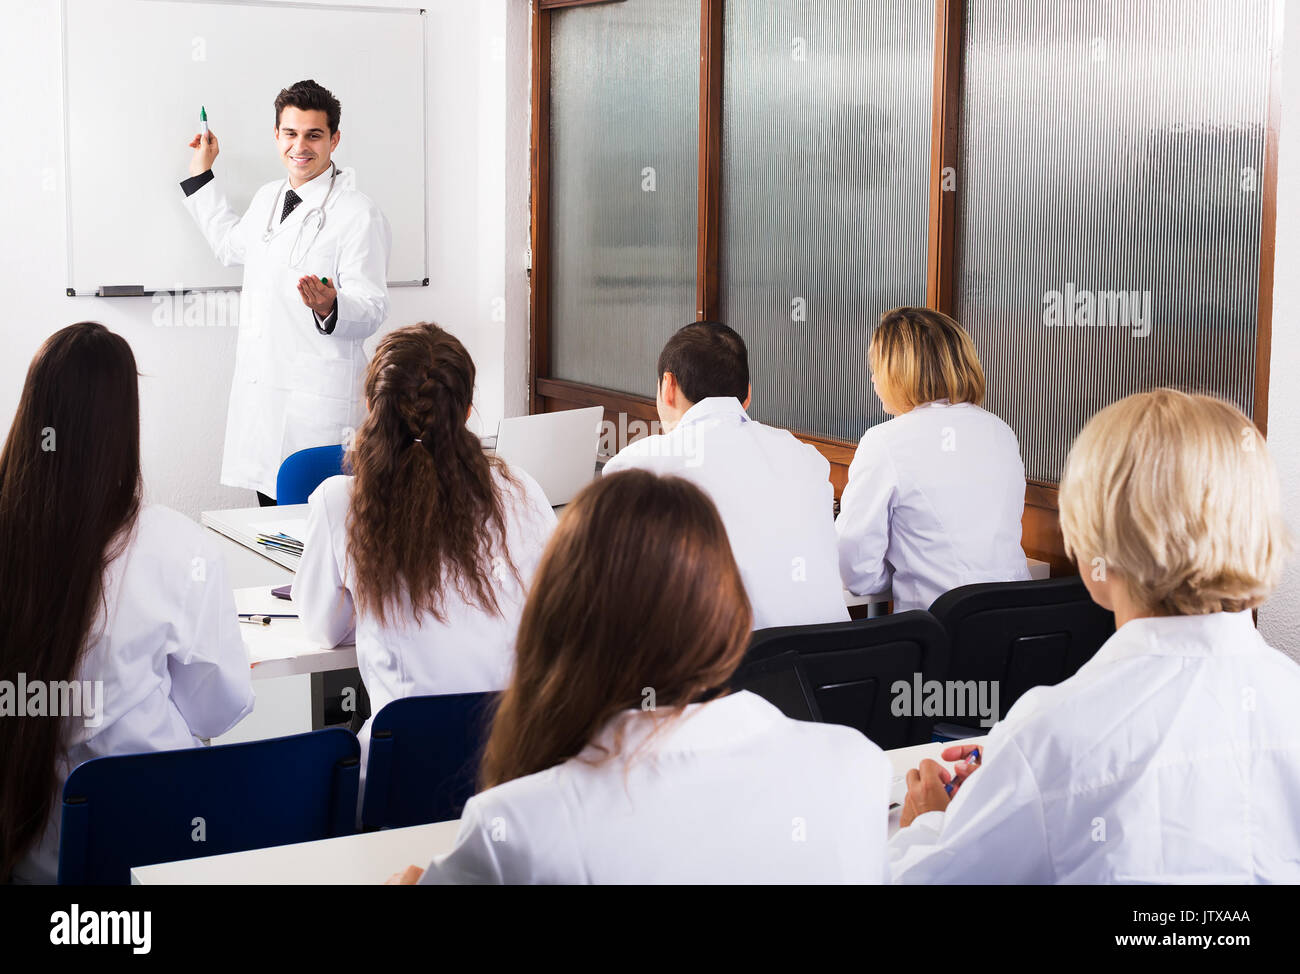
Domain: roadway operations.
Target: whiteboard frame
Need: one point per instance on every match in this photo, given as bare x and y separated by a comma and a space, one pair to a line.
423, 14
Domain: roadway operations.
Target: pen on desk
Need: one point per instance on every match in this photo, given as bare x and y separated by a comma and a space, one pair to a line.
972, 761
256, 620
264, 618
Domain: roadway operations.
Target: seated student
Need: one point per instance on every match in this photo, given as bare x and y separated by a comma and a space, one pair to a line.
617, 756
1173, 755
935, 495
127, 602
427, 550
773, 492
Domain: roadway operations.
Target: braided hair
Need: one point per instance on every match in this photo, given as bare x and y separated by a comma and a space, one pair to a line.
427, 514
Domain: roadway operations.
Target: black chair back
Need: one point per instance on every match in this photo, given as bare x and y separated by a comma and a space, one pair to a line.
1021, 634
853, 667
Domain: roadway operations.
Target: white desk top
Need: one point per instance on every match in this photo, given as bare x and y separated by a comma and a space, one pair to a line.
243, 524
369, 858
282, 648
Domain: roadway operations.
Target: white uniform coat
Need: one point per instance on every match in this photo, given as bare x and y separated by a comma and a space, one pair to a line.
1172, 756
732, 792
934, 501
294, 387
775, 497
470, 651
169, 653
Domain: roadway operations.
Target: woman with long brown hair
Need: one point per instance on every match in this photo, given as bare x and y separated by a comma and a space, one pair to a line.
426, 550
617, 756
116, 620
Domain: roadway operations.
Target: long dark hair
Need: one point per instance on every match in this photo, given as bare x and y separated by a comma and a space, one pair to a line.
69, 495
637, 589
425, 507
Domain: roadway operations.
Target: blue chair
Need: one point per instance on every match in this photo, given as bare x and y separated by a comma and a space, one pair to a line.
302, 472
424, 756
163, 806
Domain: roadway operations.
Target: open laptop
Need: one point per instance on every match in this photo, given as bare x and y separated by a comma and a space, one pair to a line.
557, 449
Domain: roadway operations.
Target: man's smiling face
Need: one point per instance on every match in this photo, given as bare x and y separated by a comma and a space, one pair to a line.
305, 143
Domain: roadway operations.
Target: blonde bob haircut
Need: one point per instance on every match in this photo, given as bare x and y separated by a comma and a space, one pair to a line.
919, 356
1177, 494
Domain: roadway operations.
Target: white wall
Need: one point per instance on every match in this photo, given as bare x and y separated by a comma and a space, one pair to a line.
1279, 620
186, 372
518, 175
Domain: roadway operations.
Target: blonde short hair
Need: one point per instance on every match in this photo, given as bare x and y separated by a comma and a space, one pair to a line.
1176, 493
919, 355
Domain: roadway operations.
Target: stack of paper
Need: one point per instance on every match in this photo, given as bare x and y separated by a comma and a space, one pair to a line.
285, 536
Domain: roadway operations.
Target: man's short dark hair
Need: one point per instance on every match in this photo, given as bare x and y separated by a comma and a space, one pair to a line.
707, 359
308, 96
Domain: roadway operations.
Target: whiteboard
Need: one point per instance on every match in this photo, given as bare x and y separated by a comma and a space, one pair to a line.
135, 73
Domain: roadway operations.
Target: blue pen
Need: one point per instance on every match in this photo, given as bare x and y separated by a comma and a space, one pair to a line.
971, 759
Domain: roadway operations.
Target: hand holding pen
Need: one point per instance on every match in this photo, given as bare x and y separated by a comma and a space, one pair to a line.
931, 786
968, 759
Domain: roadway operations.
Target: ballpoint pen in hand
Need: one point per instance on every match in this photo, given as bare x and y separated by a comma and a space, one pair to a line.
972, 761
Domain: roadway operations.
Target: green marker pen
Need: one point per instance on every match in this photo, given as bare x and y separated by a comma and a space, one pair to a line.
203, 119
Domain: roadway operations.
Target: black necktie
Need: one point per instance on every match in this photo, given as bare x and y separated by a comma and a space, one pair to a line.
291, 199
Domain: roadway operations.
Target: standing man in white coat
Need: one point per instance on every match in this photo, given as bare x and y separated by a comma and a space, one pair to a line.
315, 255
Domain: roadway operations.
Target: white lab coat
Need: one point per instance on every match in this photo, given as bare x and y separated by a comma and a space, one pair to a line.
1172, 756
776, 501
469, 651
934, 501
169, 654
293, 387
732, 791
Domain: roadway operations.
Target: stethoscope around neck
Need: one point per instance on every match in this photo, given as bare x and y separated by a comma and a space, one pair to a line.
316, 216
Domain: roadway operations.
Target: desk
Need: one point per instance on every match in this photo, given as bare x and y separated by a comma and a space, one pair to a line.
282, 648
245, 568
242, 525
284, 663
368, 858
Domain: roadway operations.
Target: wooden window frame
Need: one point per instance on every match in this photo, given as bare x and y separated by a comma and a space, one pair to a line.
1041, 530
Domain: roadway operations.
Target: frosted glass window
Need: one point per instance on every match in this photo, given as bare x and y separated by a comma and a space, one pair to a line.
624, 184
1110, 149
826, 115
